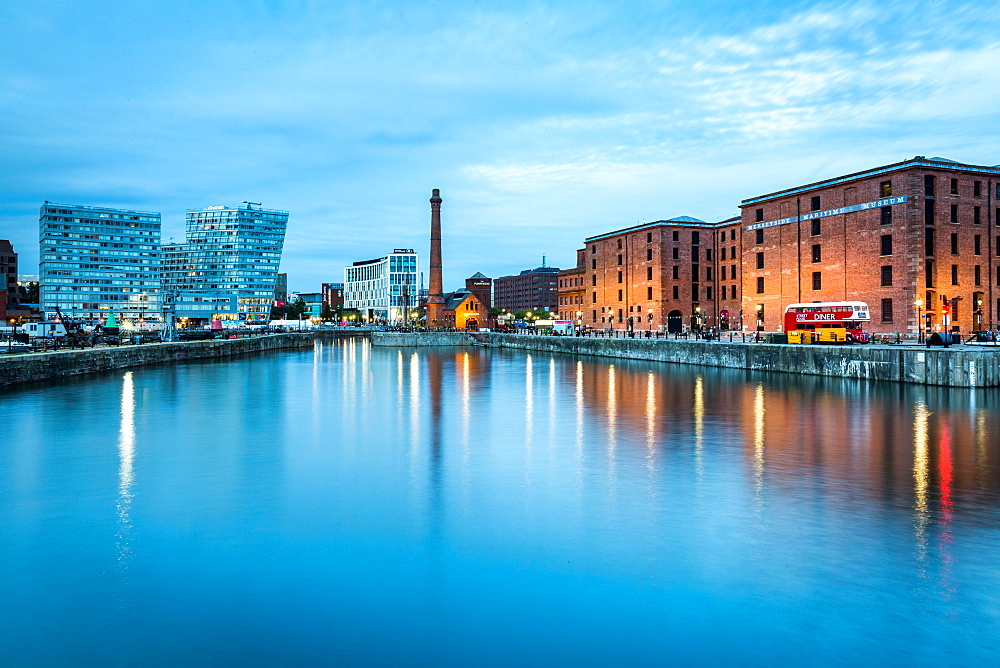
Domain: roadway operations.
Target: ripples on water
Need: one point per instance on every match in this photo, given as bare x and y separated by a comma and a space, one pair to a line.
363, 505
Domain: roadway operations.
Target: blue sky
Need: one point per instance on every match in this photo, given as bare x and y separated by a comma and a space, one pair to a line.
541, 123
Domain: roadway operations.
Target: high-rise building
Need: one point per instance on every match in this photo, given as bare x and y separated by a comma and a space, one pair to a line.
281, 287
383, 289
229, 250
94, 260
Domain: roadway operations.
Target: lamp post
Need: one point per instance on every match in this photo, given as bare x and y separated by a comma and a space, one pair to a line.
920, 328
650, 318
579, 321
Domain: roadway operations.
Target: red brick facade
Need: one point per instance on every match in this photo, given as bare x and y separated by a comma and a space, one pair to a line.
665, 276
926, 230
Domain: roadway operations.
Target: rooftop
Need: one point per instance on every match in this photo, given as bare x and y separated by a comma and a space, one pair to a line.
918, 161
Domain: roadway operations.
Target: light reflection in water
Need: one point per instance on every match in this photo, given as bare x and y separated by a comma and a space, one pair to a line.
126, 455
612, 420
921, 462
414, 426
650, 421
699, 425
758, 444
529, 402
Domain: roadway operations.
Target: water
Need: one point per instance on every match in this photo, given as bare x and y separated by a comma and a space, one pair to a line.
359, 505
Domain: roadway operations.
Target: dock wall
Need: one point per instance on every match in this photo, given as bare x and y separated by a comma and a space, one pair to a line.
34, 367
954, 367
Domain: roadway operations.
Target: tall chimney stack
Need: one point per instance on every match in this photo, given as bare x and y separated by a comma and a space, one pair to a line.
435, 297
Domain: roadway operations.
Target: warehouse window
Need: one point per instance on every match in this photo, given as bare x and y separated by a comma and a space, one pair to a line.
814, 203
619, 277
676, 253
954, 244
760, 237
886, 244
817, 253
760, 285
676, 272
649, 293
675, 292
759, 214
708, 293
593, 264
886, 215
649, 254
954, 186
977, 215
649, 273
649, 237
885, 189
886, 310
760, 260
977, 273
928, 186
619, 295
977, 244
816, 227
954, 213
954, 274
887, 276
676, 236
977, 188
817, 280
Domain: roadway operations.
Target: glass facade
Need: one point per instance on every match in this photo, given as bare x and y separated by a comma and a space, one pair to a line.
229, 251
94, 260
383, 289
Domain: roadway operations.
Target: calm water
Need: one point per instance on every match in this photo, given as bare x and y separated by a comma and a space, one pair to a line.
361, 505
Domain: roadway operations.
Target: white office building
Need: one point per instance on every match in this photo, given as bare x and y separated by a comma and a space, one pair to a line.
383, 289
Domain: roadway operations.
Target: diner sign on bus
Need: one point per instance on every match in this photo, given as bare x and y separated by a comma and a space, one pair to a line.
879, 203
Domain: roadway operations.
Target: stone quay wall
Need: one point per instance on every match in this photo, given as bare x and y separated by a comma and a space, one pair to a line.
960, 366
34, 367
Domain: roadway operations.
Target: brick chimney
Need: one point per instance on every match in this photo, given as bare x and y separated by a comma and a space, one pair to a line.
435, 297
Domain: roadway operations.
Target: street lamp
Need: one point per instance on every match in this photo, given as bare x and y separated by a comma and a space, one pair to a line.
920, 328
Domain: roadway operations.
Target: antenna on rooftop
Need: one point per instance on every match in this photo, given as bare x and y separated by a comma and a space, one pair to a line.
543, 260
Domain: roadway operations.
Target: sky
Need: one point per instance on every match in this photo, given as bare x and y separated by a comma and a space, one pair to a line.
543, 123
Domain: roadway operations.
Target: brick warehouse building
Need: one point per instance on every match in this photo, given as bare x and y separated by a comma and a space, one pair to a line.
531, 290
903, 238
572, 290
681, 274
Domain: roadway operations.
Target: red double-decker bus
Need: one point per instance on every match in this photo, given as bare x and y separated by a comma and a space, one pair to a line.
817, 316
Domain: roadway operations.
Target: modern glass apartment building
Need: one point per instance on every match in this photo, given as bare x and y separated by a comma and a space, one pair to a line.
383, 289
94, 260
229, 250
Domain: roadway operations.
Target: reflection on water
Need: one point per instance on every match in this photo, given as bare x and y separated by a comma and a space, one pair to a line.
584, 511
126, 454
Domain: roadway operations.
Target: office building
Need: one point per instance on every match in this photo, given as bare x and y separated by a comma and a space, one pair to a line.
229, 251
93, 260
281, 288
383, 289
333, 295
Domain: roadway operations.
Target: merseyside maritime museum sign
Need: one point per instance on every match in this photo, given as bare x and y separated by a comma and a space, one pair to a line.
877, 204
